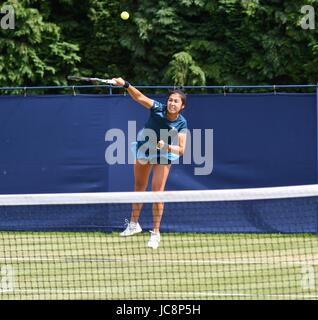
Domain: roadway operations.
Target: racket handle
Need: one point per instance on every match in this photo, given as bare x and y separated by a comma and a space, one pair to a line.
108, 81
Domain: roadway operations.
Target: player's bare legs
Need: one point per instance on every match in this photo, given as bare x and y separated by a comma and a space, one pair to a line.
159, 179
141, 173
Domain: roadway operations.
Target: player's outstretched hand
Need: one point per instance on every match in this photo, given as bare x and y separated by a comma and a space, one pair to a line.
119, 82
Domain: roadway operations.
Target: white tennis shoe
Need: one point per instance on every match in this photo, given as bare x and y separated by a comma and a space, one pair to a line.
131, 229
154, 240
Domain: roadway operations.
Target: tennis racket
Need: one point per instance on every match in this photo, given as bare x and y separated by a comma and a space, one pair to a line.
75, 78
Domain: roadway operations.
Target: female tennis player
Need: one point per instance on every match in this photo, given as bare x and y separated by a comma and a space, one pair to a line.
162, 116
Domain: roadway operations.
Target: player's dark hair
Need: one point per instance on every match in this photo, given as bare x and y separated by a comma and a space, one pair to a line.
180, 93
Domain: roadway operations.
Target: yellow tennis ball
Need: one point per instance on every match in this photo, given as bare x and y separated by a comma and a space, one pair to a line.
124, 15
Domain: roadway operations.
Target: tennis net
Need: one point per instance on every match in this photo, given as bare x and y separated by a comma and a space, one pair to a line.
215, 244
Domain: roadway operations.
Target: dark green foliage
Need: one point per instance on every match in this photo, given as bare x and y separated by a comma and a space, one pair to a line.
179, 42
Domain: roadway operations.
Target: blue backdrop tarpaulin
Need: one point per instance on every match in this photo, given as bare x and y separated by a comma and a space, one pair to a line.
56, 144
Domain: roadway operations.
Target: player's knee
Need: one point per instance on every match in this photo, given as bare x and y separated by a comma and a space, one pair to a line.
157, 187
140, 186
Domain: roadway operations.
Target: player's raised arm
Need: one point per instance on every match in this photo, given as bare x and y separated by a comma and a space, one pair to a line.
134, 93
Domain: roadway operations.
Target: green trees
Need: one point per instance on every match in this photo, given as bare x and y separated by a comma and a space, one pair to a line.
34, 53
180, 42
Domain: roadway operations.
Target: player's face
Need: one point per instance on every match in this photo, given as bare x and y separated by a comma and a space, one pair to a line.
174, 104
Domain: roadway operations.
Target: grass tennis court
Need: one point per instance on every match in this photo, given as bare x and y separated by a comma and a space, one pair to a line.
186, 266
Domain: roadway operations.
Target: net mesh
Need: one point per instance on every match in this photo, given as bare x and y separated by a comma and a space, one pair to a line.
226, 244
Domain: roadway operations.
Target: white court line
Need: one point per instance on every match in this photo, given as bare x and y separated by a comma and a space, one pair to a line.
220, 294
249, 261
154, 293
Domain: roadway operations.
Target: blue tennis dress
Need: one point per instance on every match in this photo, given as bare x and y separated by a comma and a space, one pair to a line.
145, 147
